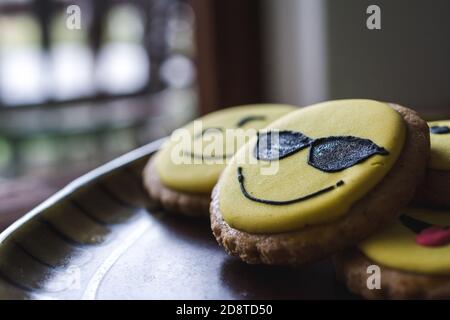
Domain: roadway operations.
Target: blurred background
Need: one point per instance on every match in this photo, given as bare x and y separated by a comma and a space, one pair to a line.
72, 99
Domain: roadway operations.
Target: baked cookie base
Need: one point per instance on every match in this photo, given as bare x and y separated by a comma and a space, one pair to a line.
372, 211
351, 268
435, 190
188, 204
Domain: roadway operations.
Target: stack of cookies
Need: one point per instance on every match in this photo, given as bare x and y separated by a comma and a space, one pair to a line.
350, 179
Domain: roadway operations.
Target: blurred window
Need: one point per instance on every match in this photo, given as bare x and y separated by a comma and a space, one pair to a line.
22, 61
76, 98
71, 60
123, 63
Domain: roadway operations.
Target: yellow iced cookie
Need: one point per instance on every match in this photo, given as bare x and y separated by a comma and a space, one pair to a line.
419, 241
195, 155
440, 145
309, 167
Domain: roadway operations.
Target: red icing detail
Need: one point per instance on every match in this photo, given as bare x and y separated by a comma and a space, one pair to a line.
434, 237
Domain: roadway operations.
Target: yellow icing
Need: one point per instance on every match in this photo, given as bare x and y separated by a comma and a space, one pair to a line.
440, 148
395, 245
201, 176
295, 178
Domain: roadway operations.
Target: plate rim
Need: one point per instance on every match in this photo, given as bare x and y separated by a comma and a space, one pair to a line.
81, 181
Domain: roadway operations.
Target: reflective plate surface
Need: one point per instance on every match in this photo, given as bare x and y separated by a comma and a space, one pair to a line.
101, 238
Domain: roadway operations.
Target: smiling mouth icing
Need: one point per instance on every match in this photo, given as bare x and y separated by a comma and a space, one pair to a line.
241, 178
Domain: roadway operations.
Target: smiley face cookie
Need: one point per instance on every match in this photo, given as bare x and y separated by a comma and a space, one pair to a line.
436, 187
318, 180
412, 252
182, 174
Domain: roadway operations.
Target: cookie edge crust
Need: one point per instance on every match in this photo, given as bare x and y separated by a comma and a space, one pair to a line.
351, 269
367, 214
187, 204
435, 190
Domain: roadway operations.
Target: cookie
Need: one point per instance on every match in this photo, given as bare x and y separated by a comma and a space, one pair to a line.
436, 187
181, 176
412, 252
343, 169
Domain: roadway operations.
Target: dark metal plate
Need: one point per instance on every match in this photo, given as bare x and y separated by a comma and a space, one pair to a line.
101, 238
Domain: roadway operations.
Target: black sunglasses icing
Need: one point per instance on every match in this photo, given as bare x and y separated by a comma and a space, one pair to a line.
329, 154
439, 130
